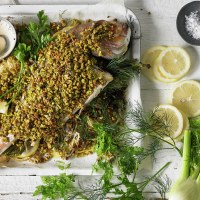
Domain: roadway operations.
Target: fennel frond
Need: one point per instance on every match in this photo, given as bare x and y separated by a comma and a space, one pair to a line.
149, 123
122, 70
162, 185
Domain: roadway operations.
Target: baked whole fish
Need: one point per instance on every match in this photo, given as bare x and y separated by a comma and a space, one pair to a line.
66, 78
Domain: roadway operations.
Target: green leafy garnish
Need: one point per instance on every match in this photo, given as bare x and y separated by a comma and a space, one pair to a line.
20, 52
149, 123
162, 185
33, 37
39, 33
36, 35
122, 70
66, 186
56, 187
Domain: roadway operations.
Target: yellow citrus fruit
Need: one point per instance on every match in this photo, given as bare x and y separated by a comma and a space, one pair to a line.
173, 118
186, 97
173, 62
159, 76
149, 57
186, 126
3, 107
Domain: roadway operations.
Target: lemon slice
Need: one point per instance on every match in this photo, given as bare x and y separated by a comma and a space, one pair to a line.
30, 150
174, 62
3, 107
186, 126
186, 97
159, 76
173, 118
149, 57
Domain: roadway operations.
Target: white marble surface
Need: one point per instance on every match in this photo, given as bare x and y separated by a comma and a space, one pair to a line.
158, 25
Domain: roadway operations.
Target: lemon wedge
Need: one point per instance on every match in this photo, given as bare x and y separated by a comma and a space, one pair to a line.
173, 62
173, 118
149, 57
186, 97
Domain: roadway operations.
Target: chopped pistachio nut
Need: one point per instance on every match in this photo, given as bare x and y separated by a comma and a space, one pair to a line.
53, 88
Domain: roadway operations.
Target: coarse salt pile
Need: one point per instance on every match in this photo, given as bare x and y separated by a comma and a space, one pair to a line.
192, 25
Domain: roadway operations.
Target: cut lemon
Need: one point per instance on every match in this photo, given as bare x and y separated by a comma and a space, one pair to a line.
174, 120
149, 57
159, 76
186, 126
3, 107
186, 97
174, 62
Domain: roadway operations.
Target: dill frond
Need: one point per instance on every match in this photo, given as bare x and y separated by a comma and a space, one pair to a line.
123, 70
151, 150
152, 123
149, 122
162, 185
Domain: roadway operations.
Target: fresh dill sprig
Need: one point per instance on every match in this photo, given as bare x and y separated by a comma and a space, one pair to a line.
93, 191
122, 70
152, 149
150, 123
154, 177
162, 185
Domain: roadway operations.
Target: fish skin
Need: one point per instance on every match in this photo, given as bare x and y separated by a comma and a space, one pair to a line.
110, 48
118, 44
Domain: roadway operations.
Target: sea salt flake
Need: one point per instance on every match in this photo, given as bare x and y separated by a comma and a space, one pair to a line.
192, 25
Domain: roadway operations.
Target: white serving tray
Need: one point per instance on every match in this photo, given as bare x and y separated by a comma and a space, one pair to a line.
25, 13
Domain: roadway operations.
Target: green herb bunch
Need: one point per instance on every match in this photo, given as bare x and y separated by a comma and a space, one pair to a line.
31, 39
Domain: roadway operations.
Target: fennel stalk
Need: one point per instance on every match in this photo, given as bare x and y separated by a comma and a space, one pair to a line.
187, 187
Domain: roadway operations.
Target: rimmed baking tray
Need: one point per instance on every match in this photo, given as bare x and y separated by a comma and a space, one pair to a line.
26, 13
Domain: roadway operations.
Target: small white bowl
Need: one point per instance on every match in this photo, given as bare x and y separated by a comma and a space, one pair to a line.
7, 31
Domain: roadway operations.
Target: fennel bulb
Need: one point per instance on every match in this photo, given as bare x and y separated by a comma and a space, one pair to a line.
187, 187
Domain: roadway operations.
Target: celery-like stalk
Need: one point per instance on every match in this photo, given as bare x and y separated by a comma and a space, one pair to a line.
186, 155
198, 181
186, 187
185, 161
